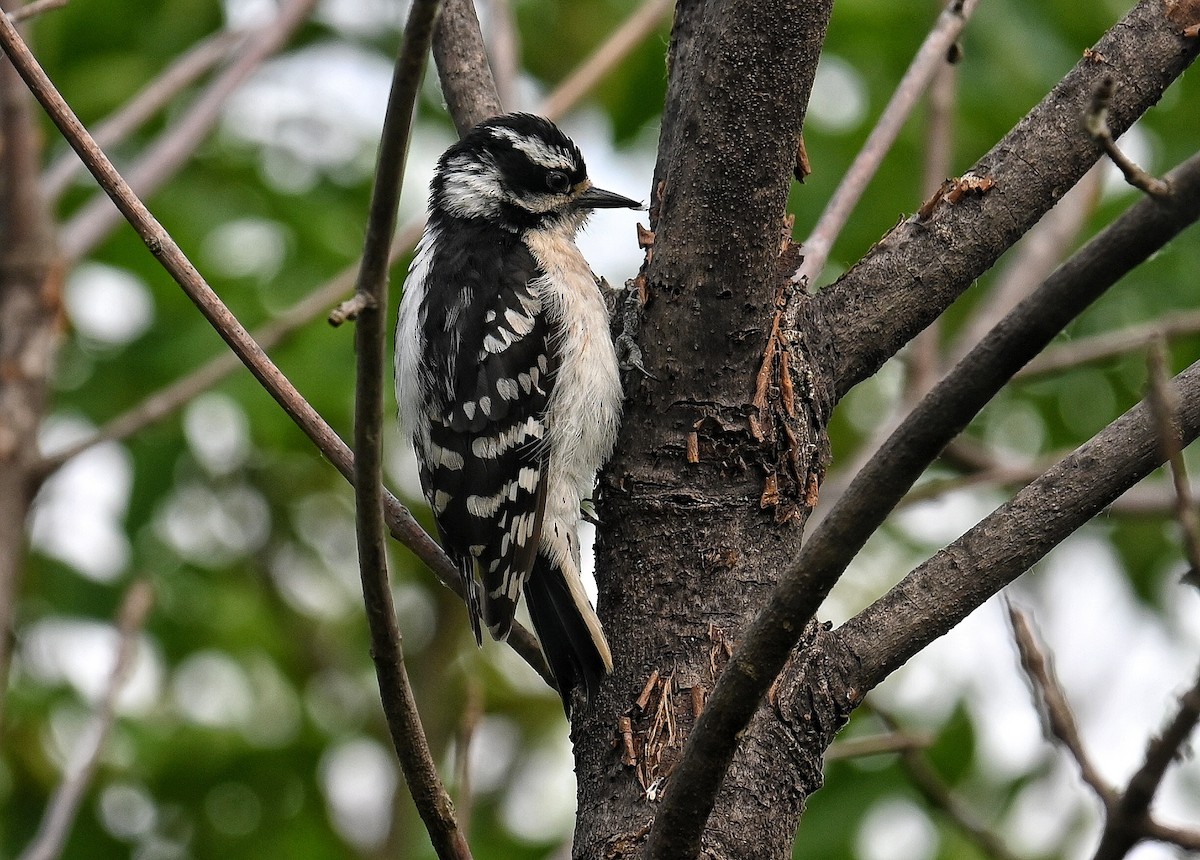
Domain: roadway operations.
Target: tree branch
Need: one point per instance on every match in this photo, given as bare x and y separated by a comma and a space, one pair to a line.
1165, 407
32, 10
56, 824
604, 59
924, 264
463, 68
88, 227
1129, 820
944, 590
1110, 344
404, 722
1052, 702
1096, 123
930, 57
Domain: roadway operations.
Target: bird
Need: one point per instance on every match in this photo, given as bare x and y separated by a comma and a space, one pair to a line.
508, 382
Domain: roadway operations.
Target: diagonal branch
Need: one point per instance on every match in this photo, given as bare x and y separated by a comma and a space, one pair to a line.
1052, 702
64, 805
615, 48
1110, 344
944, 590
914, 273
1165, 408
769, 640
88, 227
1129, 820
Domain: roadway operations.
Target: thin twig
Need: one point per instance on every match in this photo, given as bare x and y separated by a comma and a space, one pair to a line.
1129, 817
88, 227
930, 56
64, 804
939, 795
472, 715
1165, 406
370, 333
636, 28
1112, 344
1052, 701
32, 10
180, 74
894, 741
1095, 120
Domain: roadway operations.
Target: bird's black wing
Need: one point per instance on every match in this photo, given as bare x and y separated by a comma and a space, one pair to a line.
484, 471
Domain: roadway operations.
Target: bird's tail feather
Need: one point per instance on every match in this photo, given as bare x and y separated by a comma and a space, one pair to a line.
568, 629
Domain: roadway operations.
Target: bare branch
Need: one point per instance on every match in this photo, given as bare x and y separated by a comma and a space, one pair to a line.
1165, 407
1111, 344
472, 715
1129, 818
504, 50
896, 741
404, 722
912, 275
1006, 543
1052, 701
88, 227
930, 57
180, 74
56, 824
32, 10
463, 68
1095, 120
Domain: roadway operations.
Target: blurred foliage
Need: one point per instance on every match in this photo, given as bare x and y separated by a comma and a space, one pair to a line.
251, 552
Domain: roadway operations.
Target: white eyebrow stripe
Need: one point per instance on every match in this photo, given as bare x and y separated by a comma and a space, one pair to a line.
550, 157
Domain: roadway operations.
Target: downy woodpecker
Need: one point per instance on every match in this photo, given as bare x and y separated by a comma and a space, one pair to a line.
507, 379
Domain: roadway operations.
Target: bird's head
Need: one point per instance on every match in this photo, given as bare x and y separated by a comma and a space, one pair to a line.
520, 171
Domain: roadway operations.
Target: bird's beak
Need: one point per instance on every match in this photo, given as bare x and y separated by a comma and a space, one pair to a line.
598, 198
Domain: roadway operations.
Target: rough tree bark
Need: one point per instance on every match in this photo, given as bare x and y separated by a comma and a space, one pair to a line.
704, 540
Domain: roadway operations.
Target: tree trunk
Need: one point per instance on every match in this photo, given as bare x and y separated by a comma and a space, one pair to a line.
721, 449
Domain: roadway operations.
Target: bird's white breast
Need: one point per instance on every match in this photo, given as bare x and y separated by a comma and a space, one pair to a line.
584, 411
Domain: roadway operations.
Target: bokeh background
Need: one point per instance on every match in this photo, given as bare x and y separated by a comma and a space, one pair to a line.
250, 726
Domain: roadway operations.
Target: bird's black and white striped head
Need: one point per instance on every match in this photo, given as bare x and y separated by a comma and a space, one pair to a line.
519, 171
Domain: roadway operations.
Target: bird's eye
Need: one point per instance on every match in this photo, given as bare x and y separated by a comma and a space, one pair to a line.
558, 182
